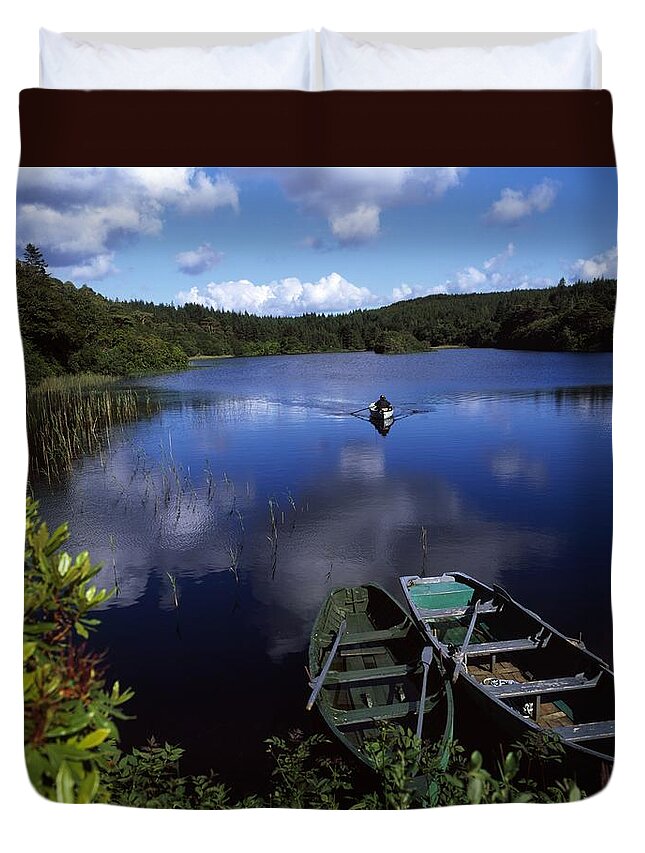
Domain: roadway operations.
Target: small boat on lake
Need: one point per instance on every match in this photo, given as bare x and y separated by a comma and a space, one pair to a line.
369, 663
521, 673
381, 411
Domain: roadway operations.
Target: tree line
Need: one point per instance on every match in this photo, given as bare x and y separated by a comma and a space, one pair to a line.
70, 329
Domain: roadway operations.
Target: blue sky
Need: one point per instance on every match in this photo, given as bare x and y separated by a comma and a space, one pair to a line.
284, 241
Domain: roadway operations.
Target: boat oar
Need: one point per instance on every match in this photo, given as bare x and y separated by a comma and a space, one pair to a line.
459, 660
426, 660
318, 682
358, 411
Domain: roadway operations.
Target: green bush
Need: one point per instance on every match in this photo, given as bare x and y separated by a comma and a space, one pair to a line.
69, 713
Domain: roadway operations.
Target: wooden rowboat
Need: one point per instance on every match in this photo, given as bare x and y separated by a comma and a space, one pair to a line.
521, 673
382, 414
365, 662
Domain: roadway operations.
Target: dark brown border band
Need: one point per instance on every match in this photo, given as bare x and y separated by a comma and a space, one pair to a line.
270, 128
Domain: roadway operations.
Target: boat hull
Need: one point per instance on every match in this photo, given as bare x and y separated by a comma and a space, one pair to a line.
383, 415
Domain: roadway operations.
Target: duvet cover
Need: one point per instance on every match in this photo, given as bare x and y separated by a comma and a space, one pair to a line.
283, 350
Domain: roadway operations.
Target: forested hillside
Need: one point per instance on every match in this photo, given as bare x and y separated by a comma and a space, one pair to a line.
69, 329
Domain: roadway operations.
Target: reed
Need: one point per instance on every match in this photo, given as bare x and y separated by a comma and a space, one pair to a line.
70, 416
173, 586
424, 548
117, 588
273, 537
235, 552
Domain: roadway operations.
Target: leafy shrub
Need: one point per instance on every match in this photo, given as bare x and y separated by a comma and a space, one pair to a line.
69, 713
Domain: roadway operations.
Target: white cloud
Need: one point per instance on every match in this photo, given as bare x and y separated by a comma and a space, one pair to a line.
97, 268
491, 275
360, 224
407, 291
514, 205
284, 297
199, 260
79, 216
501, 258
599, 266
353, 198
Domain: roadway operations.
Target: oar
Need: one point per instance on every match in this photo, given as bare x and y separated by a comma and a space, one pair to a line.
318, 682
426, 660
459, 660
364, 409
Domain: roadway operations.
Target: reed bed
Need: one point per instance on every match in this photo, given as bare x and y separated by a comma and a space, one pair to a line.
69, 416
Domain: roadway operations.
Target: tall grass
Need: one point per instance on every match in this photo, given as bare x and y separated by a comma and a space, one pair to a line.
69, 416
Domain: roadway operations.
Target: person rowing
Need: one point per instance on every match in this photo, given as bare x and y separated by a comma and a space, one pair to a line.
383, 403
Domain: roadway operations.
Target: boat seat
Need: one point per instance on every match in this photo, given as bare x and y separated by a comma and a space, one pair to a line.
375, 636
523, 645
358, 676
351, 651
586, 731
453, 612
539, 688
396, 711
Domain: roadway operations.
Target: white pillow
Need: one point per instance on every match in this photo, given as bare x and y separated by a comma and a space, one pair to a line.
566, 62
286, 62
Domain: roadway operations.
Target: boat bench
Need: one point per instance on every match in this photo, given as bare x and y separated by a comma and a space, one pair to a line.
526, 644
586, 731
357, 676
374, 636
454, 612
537, 689
382, 712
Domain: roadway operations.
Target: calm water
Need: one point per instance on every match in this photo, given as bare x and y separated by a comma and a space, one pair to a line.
506, 461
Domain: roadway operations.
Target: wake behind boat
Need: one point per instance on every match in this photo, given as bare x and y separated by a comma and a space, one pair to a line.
369, 663
518, 670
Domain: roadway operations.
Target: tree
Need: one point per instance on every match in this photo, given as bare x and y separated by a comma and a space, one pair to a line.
34, 259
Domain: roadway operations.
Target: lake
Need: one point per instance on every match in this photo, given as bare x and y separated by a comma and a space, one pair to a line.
252, 491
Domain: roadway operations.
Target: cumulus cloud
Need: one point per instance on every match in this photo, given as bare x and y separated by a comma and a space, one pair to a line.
199, 260
79, 216
352, 199
284, 297
95, 269
357, 225
515, 205
490, 275
604, 265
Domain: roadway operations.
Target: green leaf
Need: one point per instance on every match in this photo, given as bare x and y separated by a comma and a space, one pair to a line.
28, 649
81, 630
94, 738
64, 784
88, 788
475, 790
511, 765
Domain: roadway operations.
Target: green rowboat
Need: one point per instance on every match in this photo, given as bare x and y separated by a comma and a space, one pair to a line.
365, 663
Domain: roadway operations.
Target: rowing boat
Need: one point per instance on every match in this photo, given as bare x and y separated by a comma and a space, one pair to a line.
366, 668
522, 674
383, 414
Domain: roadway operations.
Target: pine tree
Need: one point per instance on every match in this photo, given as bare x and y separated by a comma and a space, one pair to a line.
33, 258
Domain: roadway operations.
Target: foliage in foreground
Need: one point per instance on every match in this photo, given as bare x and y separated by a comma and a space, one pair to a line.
69, 712
70, 731
305, 776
